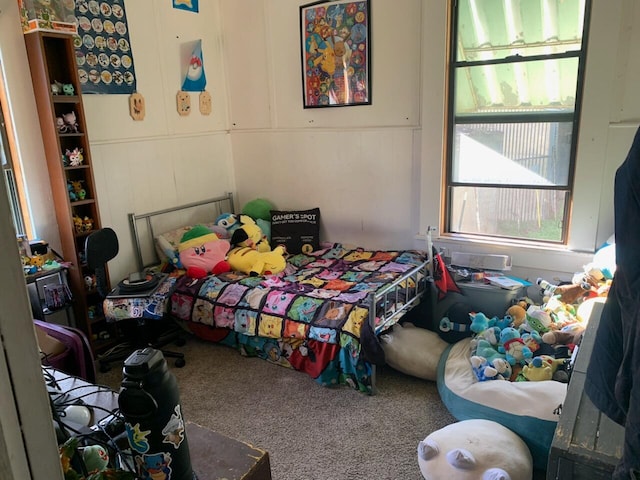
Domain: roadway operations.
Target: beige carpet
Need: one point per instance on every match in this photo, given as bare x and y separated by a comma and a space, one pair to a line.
311, 432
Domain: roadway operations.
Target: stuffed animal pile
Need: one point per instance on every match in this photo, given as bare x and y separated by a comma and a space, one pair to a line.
531, 342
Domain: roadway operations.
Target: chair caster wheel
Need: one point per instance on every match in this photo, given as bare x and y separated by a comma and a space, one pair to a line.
180, 362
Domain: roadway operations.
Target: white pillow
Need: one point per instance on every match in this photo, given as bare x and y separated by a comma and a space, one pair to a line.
413, 350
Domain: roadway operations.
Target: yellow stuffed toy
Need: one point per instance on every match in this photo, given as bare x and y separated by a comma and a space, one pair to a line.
249, 234
252, 262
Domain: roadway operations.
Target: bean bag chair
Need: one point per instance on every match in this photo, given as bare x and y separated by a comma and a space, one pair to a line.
529, 409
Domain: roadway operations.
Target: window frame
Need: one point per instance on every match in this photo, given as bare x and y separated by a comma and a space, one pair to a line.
12, 173
454, 120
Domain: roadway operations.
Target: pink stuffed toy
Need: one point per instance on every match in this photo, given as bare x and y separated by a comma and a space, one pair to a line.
202, 252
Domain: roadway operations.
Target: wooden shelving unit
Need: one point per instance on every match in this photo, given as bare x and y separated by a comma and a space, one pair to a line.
52, 59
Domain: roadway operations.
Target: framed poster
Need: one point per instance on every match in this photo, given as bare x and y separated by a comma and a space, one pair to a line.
103, 50
335, 46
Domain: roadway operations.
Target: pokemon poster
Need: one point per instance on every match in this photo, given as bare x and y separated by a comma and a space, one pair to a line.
103, 50
335, 40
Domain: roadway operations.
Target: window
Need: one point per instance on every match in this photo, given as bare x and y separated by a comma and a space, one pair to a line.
10, 179
515, 86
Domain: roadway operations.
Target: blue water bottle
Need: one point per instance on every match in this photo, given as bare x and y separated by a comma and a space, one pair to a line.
149, 401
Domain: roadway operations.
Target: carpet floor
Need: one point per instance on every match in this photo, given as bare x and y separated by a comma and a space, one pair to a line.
310, 432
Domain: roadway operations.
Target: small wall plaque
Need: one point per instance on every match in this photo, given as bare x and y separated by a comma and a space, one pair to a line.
183, 100
136, 106
205, 103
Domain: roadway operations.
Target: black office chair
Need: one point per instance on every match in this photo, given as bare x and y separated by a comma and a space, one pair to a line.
100, 247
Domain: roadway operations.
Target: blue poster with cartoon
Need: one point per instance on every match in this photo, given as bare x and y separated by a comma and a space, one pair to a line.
195, 79
103, 50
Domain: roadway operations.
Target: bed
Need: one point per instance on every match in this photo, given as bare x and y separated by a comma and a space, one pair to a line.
322, 315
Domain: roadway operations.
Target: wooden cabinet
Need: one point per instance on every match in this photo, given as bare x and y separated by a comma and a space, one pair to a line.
587, 445
58, 97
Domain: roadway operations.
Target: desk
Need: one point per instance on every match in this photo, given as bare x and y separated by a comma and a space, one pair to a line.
587, 445
213, 456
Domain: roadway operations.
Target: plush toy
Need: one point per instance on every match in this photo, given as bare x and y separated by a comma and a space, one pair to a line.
202, 252
536, 319
95, 458
491, 335
413, 350
250, 235
512, 345
75, 157
259, 208
475, 450
229, 221
488, 351
518, 314
70, 122
533, 340
503, 368
480, 322
537, 370
568, 335
252, 262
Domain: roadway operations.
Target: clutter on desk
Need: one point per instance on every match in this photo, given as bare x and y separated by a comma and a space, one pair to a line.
36, 256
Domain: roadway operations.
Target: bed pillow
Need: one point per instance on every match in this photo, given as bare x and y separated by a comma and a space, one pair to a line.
298, 230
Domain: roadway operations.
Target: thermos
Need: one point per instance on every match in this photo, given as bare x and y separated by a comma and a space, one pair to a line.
149, 401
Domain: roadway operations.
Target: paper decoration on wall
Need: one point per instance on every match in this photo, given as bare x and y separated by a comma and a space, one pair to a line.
183, 103
189, 5
205, 103
136, 106
103, 50
195, 79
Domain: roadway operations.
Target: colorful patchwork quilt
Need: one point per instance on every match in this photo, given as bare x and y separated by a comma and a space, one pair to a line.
314, 316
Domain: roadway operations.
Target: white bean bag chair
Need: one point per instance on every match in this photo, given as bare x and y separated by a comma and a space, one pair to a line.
474, 450
529, 409
413, 350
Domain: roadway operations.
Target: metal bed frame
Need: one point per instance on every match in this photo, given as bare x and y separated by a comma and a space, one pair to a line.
396, 299
222, 204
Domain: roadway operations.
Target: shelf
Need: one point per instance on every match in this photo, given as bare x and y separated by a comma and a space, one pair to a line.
86, 201
65, 99
68, 135
52, 58
77, 167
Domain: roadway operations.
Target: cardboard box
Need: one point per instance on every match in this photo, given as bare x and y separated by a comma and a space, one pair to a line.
48, 15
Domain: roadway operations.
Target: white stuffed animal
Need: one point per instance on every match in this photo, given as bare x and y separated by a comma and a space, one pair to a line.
413, 350
474, 450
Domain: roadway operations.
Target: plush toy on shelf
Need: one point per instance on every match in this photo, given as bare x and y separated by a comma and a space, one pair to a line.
70, 123
74, 157
78, 192
202, 252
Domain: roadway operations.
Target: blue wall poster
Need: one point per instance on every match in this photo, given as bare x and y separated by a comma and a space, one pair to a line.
188, 5
103, 50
